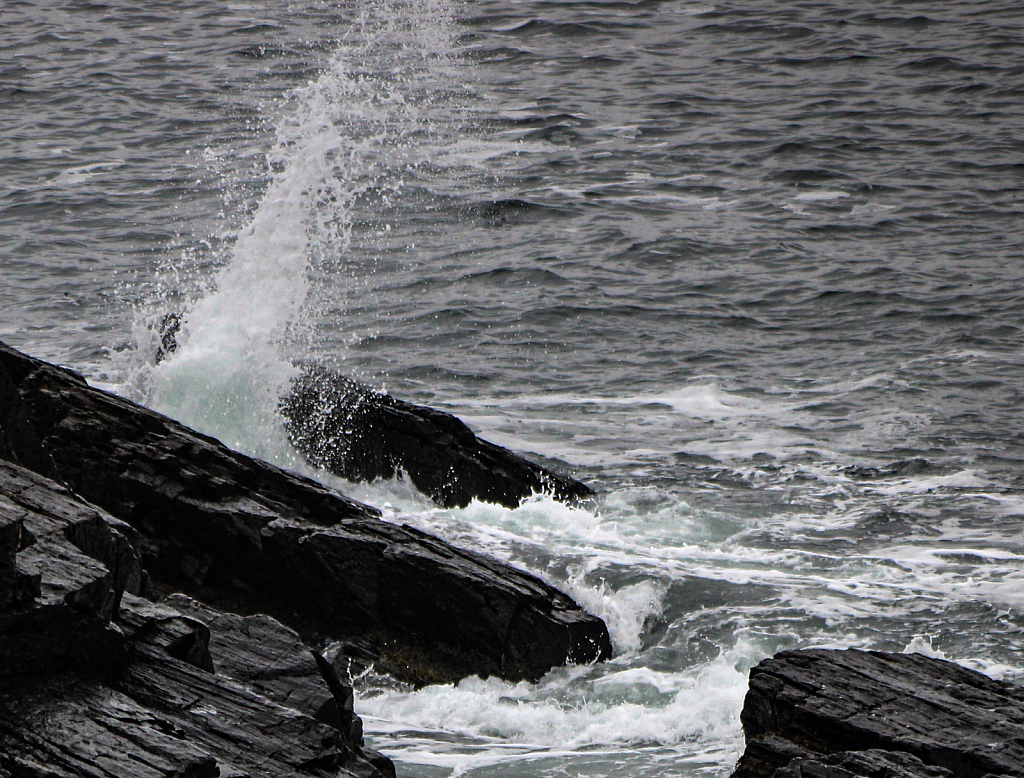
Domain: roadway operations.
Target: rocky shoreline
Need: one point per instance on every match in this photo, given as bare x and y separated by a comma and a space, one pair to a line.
166, 603
169, 607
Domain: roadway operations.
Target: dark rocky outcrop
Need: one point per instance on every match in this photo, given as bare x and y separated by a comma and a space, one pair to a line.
247, 536
64, 567
360, 434
839, 714
865, 764
96, 681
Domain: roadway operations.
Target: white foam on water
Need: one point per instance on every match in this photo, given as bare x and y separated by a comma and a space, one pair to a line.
922, 644
79, 175
700, 418
700, 400
625, 612
1007, 505
566, 714
659, 538
819, 197
855, 385
872, 208
965, 479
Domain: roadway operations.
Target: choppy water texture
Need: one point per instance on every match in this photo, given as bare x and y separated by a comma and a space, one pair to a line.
753, 270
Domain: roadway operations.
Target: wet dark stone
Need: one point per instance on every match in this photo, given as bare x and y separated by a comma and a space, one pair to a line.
247, 536
95, 680
360, 434
832, 714
124, 503
862, 764
56, 598
167, 329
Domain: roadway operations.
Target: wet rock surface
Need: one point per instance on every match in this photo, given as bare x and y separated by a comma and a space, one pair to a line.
360, 434
249, 537
838, 714
105, 506
98, 681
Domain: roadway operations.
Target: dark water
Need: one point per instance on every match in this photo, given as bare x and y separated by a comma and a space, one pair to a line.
753, 270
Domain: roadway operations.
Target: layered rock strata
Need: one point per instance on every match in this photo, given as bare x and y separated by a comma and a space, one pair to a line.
97, 681
840, 714
250, 537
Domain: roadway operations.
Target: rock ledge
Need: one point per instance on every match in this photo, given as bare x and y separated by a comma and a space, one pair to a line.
838, 714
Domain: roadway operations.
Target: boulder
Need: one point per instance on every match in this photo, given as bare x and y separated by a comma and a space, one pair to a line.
271, 659
832, 714
246, 536
360, 434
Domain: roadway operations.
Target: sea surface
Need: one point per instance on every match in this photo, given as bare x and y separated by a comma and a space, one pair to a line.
753, 270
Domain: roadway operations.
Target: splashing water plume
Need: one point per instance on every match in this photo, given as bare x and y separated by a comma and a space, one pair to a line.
347, 133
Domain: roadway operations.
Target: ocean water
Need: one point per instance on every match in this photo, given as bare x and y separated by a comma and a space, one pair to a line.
752, 270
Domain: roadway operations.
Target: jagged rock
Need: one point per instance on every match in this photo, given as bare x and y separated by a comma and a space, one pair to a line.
58, 601
18, 442
271, 659
900, 712
360, 434
164, 717
142, 697
178, 633
67, 727
244, 533
441, 613
49, 510
237, 721
16, 586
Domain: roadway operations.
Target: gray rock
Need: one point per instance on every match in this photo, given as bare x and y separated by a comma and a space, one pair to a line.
57, 600
862, 764
95, 681
804, 707
271, 659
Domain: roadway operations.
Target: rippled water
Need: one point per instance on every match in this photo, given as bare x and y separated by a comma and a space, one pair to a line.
754, 271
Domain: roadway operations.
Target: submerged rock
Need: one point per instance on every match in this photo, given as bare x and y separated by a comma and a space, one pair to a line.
360, 434
247, 536
839, 714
